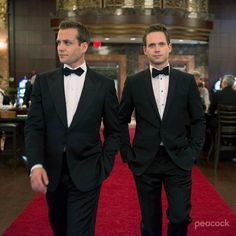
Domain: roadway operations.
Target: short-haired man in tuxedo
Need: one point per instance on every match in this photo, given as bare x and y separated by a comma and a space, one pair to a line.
66, 156
163, 151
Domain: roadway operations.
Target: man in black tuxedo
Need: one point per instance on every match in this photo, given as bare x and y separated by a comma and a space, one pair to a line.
66, 156
165, 146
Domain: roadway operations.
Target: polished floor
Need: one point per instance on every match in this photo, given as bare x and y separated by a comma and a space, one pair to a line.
15, 190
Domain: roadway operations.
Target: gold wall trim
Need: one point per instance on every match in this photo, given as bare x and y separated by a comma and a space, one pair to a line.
129, 26
186, 19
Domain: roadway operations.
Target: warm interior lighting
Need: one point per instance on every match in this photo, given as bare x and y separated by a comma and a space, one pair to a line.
3, 45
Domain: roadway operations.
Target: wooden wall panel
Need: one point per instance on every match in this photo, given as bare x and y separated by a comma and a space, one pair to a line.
222, 42
34, 40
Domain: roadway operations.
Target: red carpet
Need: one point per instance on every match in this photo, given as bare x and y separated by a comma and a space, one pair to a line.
118, 213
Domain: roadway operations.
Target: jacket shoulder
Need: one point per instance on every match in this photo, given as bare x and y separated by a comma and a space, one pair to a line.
98, 78
181, 74
138, 75
50, 73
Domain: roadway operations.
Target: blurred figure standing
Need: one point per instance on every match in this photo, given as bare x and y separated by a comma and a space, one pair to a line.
204, 93
4, 97
28, 89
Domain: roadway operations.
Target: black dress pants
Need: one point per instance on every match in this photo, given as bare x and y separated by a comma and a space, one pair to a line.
177, 184
72, 212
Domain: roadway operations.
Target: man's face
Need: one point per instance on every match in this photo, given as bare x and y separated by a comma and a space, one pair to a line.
198, 80
70, 50
4, 85
157, 49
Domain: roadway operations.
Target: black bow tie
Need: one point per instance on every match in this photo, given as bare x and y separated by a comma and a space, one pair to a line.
164, 71
67, 71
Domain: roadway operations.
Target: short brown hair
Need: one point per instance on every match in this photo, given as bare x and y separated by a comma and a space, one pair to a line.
83, 33
156, 28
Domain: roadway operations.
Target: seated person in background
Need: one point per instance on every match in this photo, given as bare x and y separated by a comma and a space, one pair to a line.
234, 86
227, 96
204, 93
4, 97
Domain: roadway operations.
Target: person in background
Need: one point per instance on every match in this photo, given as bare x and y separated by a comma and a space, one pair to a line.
163, 151
234, 86
4, 97
226, 96
28, 89
67, 158
204, 93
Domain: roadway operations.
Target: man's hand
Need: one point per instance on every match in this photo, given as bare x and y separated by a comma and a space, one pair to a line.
39, 180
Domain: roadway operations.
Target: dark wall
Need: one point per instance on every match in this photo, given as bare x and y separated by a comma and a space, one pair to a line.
34, 40
222, 43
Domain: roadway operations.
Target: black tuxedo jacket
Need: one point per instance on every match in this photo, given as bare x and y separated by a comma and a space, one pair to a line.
183, 106
227, 96
47, 134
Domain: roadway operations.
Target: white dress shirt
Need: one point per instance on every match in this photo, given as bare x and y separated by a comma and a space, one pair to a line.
73, 85
160, 85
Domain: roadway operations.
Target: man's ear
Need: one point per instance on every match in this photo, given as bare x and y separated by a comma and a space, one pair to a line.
170, 47
84, 46
144, 50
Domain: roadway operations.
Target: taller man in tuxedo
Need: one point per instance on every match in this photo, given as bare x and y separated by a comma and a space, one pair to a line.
165, 145
66, 156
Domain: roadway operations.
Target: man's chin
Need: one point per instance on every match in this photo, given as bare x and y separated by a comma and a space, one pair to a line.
62, 61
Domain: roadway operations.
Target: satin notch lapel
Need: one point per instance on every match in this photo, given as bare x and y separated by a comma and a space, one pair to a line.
56, 88
87, 96
148, 84
172, 84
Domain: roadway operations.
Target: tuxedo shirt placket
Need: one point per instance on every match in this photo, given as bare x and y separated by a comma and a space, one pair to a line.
160, 89
160, 85
73, 85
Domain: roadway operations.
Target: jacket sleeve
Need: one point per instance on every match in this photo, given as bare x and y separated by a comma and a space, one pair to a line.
125, 113
111, 131
34, 128
197, 119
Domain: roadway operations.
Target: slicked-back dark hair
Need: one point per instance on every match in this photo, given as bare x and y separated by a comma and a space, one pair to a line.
156, 28
83, 33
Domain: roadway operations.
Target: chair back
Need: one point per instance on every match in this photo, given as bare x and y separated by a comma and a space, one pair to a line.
226, 131
227, 121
